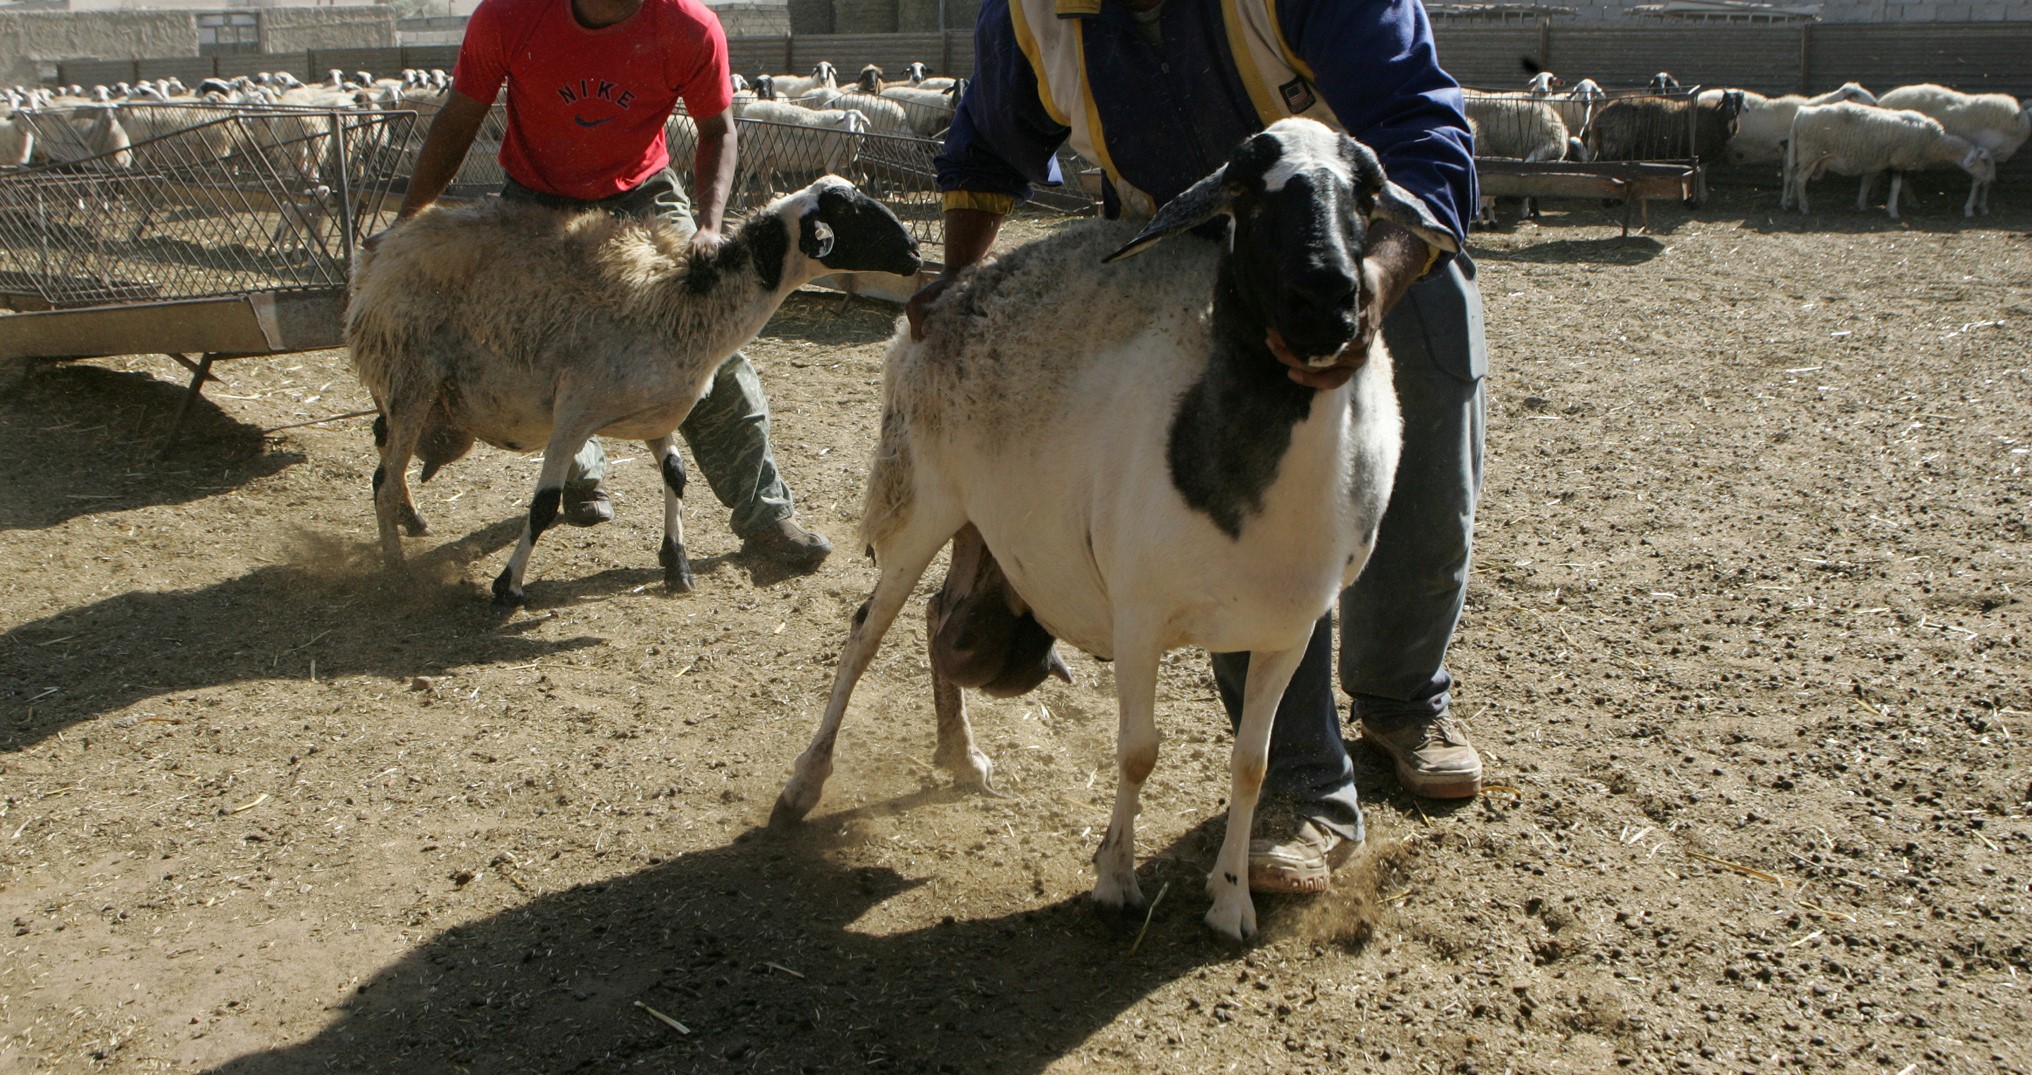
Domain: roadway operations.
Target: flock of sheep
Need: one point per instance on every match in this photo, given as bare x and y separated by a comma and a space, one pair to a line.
1846, 131
795, 127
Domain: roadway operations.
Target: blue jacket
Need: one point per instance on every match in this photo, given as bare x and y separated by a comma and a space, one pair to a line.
1171, 115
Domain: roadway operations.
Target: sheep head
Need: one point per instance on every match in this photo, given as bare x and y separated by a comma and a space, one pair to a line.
839, 229
1300, 197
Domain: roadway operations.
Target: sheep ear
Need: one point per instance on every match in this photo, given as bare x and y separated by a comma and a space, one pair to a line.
817, 240
1203, 201
1401, 207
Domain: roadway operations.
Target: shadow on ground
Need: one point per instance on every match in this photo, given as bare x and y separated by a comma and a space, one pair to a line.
755, 949
334, 604
83, 439
1619, 250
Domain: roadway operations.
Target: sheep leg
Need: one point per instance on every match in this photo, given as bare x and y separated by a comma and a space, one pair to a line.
904, 557
1968, 208
1135, 756
543, 509
1233, 913
676, 568
956, 751
411, 520
1868, 188
392, 506
1897, 183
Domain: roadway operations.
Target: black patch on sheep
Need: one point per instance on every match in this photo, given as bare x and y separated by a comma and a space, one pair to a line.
1294, 266
673, 474
380, 430
543, 511
1234, 424
768, 246
380, 477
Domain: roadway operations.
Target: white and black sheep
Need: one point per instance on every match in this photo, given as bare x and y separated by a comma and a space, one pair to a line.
1148, 476
631, 328
1853, 139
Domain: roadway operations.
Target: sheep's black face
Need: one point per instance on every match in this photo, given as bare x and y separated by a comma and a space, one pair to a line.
1298, 238
851, 232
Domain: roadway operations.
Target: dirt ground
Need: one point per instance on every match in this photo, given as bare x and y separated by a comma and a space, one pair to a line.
1744, 652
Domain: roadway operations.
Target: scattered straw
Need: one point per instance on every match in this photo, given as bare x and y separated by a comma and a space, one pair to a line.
1746, 871
665, 1019
244, 807
1148, 913
784, 969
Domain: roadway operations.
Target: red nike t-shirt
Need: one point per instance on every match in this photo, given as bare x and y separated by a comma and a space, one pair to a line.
586, 108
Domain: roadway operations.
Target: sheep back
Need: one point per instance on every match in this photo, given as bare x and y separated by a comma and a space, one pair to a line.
447, 297
1000, 357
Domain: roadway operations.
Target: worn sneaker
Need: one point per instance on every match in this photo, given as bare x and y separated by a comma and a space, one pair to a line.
1432, 754
1291, 853
587, 506
788, 543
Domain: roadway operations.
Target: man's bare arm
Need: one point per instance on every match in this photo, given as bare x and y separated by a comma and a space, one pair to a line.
444, 149
713, 174
969, 235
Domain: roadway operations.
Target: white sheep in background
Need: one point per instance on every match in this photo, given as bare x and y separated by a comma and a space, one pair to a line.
1147, 476
885, 116
782, 143
929, 110
1516, 126
444, 335
1854, 139
1997, 122
1766, 122
822, 74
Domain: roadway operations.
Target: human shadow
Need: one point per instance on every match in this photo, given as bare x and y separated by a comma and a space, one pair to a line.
754, 948
78, 439
333, 604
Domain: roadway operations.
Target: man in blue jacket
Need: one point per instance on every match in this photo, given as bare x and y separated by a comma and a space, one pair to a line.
1158, 92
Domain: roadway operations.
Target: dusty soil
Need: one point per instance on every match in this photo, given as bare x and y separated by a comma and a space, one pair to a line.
1745, 653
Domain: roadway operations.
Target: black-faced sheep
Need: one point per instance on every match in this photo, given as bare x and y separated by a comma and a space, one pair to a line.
1146, 473
531, 328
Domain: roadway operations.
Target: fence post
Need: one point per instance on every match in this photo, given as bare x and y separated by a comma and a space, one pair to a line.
786, 55
1545, 44
1806, 57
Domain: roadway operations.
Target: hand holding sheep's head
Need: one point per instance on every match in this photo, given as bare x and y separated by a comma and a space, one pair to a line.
1302, 198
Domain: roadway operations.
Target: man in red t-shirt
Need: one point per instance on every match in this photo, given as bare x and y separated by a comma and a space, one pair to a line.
590, 86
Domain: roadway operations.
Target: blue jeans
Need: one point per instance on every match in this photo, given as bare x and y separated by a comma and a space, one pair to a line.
728, 431
1399, 616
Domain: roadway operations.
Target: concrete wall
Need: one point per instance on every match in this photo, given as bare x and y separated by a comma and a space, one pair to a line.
32, 43
300, 29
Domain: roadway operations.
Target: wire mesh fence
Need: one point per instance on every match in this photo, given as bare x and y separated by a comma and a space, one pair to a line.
209, 201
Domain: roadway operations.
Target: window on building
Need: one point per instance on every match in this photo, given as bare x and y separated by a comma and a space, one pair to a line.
229, 32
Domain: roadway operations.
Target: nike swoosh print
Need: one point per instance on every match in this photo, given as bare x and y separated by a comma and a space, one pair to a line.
589, 122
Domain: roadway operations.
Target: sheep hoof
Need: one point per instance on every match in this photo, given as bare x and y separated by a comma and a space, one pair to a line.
413, 523
506, 597
676, 569
786, 815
